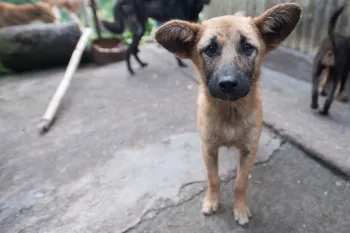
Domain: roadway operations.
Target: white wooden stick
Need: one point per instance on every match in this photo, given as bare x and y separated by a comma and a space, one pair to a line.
51, 110
84, 11
75, 19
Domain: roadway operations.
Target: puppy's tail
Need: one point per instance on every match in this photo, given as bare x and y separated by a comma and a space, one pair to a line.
331, 26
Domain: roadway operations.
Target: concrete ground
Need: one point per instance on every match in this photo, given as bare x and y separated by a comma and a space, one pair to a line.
291, 193
123, 156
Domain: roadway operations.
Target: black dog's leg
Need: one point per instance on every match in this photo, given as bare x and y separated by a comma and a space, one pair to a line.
325, 85
127, 58
315, 85
135, 53
133, 49
330, 97
180, 62
139, 28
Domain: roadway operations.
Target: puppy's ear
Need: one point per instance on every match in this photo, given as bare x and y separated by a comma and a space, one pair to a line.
178, 37
277, 23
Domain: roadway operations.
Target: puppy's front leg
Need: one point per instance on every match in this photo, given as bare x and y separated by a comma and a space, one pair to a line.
211, 200
244, 167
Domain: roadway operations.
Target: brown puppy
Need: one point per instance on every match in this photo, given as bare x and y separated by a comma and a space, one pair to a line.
228, 52
22, 14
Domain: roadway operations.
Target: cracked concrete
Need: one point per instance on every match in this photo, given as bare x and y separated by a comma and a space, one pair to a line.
123, 150
289, 194
326, 138
180, 156
133, 185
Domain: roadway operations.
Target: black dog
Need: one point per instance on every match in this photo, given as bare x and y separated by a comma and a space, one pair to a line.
333, 56
134, 15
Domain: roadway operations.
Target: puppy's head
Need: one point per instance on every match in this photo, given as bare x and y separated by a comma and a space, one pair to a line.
228, 50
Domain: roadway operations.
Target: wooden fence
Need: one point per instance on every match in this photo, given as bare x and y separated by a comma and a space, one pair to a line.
309, 32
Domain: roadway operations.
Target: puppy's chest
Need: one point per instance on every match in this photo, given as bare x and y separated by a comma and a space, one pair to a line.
224, 129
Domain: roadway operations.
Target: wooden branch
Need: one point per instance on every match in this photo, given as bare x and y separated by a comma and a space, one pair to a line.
55, 102
84, 12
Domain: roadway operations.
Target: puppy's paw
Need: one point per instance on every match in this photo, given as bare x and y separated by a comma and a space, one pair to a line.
242, 214
210, 205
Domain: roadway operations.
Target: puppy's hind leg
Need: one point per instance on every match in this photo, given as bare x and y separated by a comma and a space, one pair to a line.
330, 97
211, 200
317, 70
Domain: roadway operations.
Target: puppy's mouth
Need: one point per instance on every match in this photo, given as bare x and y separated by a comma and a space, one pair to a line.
229, 88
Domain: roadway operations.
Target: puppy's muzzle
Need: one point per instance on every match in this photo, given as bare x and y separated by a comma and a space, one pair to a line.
228, 84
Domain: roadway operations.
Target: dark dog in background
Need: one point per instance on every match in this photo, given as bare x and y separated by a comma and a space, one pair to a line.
333, 56
134, 14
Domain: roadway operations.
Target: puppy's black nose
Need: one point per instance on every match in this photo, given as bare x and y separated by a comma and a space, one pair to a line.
228, 84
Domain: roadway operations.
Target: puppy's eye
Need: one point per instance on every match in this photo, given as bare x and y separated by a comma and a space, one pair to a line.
210, 50
248, 48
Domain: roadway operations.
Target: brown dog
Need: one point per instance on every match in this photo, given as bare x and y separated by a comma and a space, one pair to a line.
22, 14
228, 52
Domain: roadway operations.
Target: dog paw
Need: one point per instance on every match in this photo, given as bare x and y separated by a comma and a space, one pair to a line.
314, 106
242, 214
131, 72
210, 205
323, 113
323, 93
